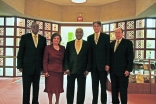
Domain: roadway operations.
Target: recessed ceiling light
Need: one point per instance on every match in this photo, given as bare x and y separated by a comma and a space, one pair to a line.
78, 1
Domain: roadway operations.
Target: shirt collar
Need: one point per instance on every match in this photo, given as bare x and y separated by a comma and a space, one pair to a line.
119, 40
34, 34
79, 40
97, 33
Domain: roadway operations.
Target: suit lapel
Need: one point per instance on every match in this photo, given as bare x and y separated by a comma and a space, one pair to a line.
119, 46
31, 39
39, 40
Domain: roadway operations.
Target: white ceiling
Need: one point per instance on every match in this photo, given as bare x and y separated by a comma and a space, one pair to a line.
88, 2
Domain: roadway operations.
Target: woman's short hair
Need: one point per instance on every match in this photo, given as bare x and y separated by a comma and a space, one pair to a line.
55, 34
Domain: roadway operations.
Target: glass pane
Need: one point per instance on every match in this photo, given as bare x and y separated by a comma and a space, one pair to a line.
150, 33
112, 36
150, 43
1, 21
21, 22
40, 24
139, 54
1, 71
106, 28
9, 41
9, 31
8, 61
130, 35
40, 32
8, 71
54, 27
48, 42
130, 24
47, 35
1, 61
140, 23
17, 51
29, 22
28, 31
18, 73
9, 52
112, 26
1, 41
139, 44
139, 33
17, 41
10, 21
20, 31
1, 51
150, 54
150, 22
121, 25
1, 31
47, 26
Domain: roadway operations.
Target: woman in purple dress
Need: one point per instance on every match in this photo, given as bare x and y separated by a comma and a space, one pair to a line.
53, 68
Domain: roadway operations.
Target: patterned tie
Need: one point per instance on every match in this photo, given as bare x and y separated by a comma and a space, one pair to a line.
96, 38
35, 40
77, 46
116, 45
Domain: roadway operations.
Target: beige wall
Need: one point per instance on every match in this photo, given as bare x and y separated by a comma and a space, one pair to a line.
118, 10
142, 5
18, 5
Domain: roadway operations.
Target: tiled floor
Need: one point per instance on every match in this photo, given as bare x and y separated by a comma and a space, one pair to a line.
11, 93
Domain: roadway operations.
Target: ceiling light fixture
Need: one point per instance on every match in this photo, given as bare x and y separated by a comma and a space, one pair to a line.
78, 1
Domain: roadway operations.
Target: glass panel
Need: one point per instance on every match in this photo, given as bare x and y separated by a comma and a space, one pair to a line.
17, 51
150, 43
10, 21
1, 41
150, 54
1, 31
130, 24
40, 24
28, 31
29, 22
150, 33
18, 73
8, 61
150, 22
9, 52
47, 35
17, 41
9, 41
1, 21
21, 22
47, 26
8, 71
139, 44
112, 26
54, 27
140, 23
1, 61
40, 32
1, 71
139, 54
48, 42
139, 33
20, 31
9, 31
1, 51
112, 36
121, 25
130, 35
106, 28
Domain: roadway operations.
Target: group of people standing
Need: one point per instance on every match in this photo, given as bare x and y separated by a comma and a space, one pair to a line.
96, 55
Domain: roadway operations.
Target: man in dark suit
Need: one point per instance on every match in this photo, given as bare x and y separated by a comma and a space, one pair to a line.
100, 52
121, 66
77, 65
30, 61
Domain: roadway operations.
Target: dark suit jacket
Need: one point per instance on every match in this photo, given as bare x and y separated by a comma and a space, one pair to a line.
122, 58
79, 62
100, 53
29, 57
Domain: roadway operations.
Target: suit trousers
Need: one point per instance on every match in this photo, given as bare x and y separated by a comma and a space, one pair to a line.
119, 84
96, 77
27, 80
81, 82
